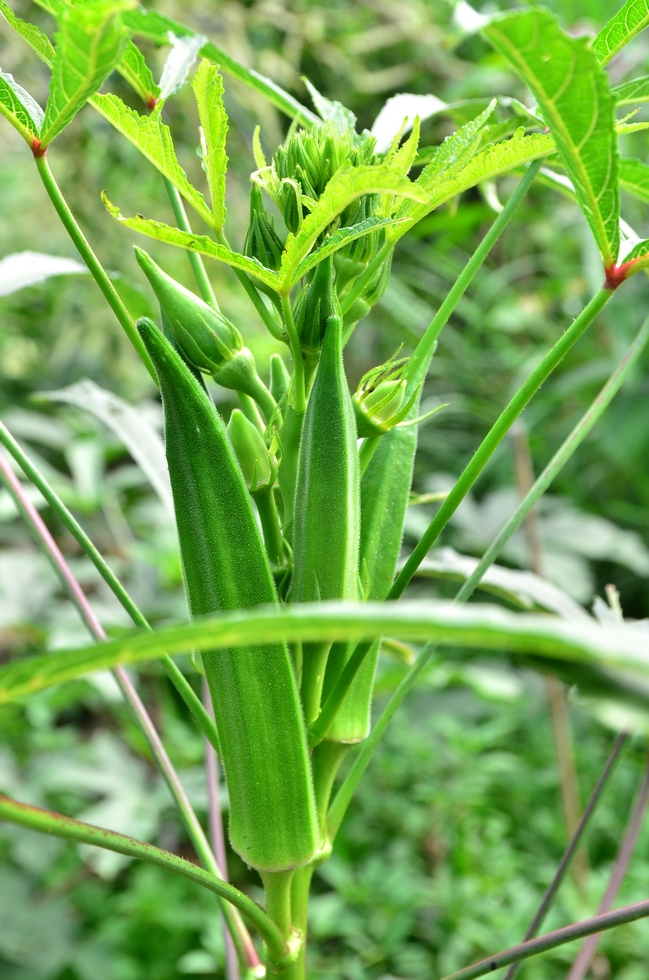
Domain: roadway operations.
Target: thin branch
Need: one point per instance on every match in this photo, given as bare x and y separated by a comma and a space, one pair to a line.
622, 861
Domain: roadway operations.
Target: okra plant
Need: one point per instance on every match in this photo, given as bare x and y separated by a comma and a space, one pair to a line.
290, 512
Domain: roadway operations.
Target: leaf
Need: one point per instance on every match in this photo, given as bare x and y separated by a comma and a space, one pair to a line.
208, 89
521, 588
154, 141
339, 238
157, 27
134, 69
342, 119
19, 108
180, 61
621, 650
632, 18
195, 243
89, 45
402, 109
574, 96
23, 269
637, 90
346, 185
130, 425
634, 178
40, 42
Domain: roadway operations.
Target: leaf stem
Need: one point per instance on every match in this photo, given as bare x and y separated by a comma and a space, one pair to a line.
176, 676
195, 260
94, 265
47, 822
365, 278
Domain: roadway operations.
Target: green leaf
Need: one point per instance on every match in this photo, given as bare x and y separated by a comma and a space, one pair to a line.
134, 69
38, 41
342, 119
620, 649
346, 185
488, 163
632, 18
154, 141
342, 237
22, 111
637, 90
634, 178
208, 89
89, 45
180, 61
195, 243
574, 96
156, 27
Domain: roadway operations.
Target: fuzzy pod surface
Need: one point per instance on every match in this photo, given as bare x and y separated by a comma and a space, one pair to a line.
273, 823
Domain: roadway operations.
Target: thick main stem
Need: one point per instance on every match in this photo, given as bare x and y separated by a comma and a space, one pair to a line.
95, 267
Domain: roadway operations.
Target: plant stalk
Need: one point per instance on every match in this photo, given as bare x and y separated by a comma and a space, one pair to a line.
299, 391
195, 260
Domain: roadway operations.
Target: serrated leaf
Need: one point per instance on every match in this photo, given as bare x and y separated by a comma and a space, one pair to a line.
339, 238
90, 42
134, 69
346, 185
634, 178
180, 61
154, 141
156, 27
630, 19
620, 650
195, 243
490, 162
19, 108
574, 96
38, 41
637, 90
208, 89
342, 119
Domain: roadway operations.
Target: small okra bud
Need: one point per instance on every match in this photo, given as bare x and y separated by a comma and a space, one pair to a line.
252, 453
378, 402
262, 241
317, 304
204, 336
280, 379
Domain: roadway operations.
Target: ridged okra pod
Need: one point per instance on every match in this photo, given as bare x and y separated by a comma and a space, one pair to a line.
385, 489
256, 703
327, 521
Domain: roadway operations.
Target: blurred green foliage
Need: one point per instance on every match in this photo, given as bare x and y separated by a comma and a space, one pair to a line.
457, 827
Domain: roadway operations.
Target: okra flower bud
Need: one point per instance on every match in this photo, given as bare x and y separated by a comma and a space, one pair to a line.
256, 463
378, 402
316, 305
262, 241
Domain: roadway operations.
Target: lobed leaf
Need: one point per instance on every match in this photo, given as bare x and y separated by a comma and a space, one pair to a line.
574, 96
195, 243
339, 238
637, 90
630, 19
208, 89
346, 185
154, 141
157, 27
621, 650
89, 45
134, 69
19, 108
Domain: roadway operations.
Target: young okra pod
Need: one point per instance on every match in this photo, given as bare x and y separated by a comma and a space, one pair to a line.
327, 503
256, 704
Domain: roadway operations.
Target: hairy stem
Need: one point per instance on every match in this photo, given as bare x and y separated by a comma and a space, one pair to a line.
299, 393
195, 260
94, 265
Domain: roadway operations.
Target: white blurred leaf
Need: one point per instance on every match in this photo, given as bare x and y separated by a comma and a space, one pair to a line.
399, 108
22, 269
179, 63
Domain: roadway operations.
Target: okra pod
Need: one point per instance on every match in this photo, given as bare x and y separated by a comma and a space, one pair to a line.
273, 822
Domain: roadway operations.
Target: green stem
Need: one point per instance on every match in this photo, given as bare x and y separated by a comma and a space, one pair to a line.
365, 278
94, 265
47, 822
265, 500
253, 294
299, 392
184, 688
367, 450
599, 923
558, 461
277, 885
495, 436
417, 366
195, 260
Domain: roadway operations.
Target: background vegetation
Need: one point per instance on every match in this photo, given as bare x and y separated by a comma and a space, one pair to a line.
458, 826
